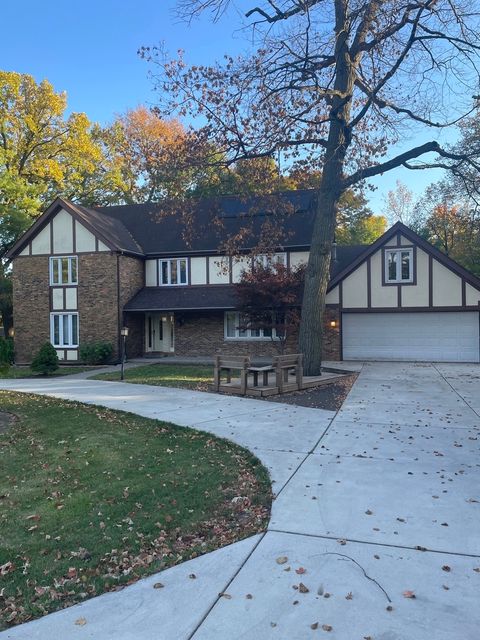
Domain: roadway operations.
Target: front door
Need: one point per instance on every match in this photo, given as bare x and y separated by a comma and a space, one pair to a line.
159, 332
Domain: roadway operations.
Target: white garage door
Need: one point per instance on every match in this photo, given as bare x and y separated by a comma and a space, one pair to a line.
425, 337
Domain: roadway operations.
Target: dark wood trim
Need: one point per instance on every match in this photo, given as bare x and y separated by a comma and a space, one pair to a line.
409, 309
207, 269
464, 293
399, 295
230, 269
96, 245
29, 249
52, 246
64, 293
74, 235
189, 271
369, 282
288, 261
430, 281
399, 240
411, 248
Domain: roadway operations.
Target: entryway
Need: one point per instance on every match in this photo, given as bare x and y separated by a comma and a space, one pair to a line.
159, 333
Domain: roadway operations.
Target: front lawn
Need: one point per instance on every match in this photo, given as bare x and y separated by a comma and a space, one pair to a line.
26, 372
166, 375
91, 499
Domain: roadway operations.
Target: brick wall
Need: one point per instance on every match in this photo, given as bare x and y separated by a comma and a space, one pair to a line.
97, 299
31, 306
202, 334
132, 279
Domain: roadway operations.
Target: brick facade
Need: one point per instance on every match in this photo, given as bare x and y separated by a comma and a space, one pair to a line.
132, 279
202, 334
31, 306
98, 299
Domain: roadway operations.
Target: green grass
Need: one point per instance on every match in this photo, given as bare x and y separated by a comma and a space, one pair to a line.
91, 499
26, 372
166, 375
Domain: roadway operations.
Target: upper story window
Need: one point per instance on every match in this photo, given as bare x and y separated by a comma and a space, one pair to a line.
64, 270
172, 271
268, 261
398, 265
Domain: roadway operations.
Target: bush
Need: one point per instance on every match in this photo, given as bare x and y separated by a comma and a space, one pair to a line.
96, 352
46, 360
6, 351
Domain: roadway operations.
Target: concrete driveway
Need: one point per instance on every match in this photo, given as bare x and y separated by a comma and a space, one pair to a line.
375, 504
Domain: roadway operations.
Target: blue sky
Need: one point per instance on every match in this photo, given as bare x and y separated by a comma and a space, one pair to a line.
89, 49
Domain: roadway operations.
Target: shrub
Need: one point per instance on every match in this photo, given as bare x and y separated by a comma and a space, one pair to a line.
46, 360
96, 352
6, 351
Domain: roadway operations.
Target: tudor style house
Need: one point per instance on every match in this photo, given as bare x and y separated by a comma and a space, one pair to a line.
81, 273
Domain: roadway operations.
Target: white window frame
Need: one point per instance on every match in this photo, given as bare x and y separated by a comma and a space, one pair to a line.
169, 272
70, 344
248, 332
398, 279
58, 261
271, 259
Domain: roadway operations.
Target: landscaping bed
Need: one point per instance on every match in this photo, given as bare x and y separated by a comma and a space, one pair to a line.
93, 499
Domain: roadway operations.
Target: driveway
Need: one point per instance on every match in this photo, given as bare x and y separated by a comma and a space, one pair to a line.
375, 531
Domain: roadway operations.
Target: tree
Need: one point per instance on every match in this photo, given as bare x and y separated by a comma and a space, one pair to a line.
269, 299
339, 82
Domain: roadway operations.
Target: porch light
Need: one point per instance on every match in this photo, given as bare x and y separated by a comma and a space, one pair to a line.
124, 331
11, 332
333, 323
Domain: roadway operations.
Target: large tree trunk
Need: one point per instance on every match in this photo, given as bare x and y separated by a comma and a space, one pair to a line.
329, 193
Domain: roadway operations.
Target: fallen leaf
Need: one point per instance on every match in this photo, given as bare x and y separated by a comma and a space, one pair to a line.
300, 571
249, 596
33, 517
327, 627
389, 608
349, 596
282, 560
227, 596
409, 594
368, 512
158, 585
314, 626
477, 569
446, 568
81, 622
192, 576
302, 588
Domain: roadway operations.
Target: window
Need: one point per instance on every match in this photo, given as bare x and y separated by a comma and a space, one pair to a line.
270, 260
173, 271
64, 329
236, 328
398, 265
63, 270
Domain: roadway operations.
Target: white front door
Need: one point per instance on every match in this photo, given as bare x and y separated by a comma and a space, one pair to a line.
432, 336
159, 332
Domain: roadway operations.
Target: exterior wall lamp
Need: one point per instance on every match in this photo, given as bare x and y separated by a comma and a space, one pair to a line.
333, 324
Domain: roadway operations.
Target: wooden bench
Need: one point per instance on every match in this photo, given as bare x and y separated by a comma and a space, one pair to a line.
264, 370
282, 366
227, 364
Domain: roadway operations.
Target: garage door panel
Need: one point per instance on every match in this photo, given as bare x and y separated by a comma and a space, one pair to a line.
424, 337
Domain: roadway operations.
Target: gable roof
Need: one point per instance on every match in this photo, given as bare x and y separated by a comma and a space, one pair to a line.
112, 233
400, 228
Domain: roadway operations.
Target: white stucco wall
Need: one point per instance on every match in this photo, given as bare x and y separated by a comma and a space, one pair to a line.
472, 295
298, 257
62, 232
239, 265
218, 268
447, 287
71, 298
355, 288
41, 242
84, 240
333, 296
198, 267
151, 273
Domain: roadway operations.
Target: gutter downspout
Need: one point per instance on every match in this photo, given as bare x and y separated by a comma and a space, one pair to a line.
119, 310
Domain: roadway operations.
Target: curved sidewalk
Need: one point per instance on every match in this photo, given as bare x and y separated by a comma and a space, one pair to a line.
360, 495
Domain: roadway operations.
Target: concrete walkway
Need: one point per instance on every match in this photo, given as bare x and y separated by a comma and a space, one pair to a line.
379, 500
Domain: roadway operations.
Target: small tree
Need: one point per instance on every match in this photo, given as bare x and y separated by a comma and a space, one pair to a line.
269, 298
46, 360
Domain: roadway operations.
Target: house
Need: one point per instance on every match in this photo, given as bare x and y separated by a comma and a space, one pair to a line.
81, 273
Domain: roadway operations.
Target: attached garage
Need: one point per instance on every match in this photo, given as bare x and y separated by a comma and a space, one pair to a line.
430, 336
